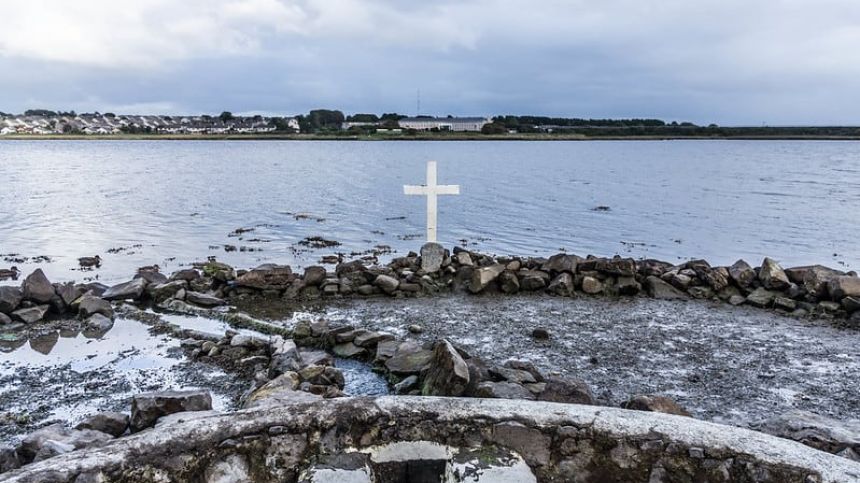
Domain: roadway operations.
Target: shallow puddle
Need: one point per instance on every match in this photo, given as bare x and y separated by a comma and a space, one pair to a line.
59, 372
65, 374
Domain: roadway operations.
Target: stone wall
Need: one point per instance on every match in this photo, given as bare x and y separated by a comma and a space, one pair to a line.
559, 442
800, 291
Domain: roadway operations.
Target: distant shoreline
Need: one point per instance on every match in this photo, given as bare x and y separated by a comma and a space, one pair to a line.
416, 137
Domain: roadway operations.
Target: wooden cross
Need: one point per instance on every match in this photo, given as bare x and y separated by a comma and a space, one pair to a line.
431, 190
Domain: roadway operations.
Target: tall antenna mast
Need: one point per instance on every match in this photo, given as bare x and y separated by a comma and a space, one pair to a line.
418, 106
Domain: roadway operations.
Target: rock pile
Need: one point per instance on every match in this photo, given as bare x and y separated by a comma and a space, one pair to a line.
38, 297
800, 291
439, 368
100, 428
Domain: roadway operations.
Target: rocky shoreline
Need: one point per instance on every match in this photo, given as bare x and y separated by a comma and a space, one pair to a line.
297, 364
813, 290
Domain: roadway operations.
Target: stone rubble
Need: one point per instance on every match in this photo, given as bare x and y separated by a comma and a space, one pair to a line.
301, 369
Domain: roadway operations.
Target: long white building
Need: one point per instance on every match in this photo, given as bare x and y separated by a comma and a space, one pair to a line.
445, 123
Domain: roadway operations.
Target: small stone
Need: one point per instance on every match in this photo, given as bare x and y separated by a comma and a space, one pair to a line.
112, 423
851, 304
348, 349
784, 303
503, 390
628, 286
565, 390
562, 285
540, 333
761, 298
370, 339
387, 284
659, 289
89, 305
772, 276
659, 404
415, 329
97, 325
314, 275
188, 275
737, 300
482, 277
533, 280
591, 285
203, 300
509, 282
10, 298
132, 290
30, 315
844, 286
248, 341
464, 259
406, 385
148, 407
432, 256
9, 459
409, 359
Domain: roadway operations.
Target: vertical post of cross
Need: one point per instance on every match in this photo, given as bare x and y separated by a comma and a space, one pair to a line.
431, 201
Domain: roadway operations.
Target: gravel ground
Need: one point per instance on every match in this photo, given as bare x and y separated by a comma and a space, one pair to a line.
734, 365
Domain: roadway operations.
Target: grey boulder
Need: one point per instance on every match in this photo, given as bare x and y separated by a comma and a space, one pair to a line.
820, 432
203, 300
10, 298
448, 374
132, 290
148, 407
30, 315
37, 288
483, 277
772, 276
661, 290
89, 305
112, 423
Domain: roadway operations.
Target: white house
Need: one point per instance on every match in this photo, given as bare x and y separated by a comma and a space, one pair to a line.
445, 123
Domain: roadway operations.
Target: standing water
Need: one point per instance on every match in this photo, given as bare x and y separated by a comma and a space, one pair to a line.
170, 203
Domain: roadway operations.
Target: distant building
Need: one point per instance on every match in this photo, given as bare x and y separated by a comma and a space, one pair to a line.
445, 123
348, 124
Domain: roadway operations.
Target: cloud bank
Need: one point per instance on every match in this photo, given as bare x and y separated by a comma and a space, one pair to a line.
729, 61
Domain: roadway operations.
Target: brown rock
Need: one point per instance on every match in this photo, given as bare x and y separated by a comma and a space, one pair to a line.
566, 390
657, 404
772, 276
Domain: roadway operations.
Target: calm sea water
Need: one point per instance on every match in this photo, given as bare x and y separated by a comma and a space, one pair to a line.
138, 203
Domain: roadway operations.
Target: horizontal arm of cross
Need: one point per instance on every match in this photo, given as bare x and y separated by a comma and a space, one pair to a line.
442, 189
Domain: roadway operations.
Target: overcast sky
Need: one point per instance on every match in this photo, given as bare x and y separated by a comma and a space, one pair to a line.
741, 62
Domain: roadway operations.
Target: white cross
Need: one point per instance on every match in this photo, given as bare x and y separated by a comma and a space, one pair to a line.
430, 190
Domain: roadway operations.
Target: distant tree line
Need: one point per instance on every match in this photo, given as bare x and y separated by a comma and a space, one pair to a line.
331, 122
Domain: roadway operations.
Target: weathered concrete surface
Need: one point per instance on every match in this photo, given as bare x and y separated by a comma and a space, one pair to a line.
564, 442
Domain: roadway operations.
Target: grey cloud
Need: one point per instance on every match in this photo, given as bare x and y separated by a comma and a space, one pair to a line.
731, 62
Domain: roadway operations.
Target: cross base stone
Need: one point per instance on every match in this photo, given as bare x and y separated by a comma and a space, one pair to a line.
432, 256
